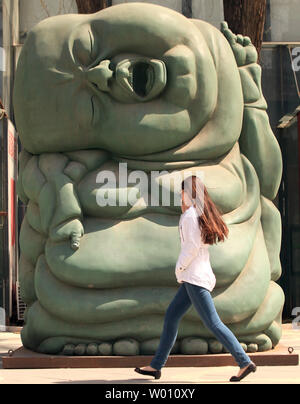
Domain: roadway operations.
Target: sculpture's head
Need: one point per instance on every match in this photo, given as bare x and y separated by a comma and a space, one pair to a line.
134, 79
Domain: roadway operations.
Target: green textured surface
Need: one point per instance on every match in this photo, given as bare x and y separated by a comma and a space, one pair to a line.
200, 108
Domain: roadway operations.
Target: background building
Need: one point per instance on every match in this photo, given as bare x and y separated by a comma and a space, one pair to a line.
280, 60
281, 80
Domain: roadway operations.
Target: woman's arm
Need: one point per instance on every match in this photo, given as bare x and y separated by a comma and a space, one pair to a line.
191, 235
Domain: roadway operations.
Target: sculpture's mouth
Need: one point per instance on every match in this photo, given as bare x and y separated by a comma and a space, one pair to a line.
141, 77
133, 78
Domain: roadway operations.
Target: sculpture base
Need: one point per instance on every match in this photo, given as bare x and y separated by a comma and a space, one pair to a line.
25, 359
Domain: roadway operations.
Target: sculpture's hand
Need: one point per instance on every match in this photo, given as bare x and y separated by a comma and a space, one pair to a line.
75, 240
244, 51
257, 141
250, 71
71, 230
60, 201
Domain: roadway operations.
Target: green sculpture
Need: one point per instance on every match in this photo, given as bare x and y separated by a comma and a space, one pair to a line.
143, 85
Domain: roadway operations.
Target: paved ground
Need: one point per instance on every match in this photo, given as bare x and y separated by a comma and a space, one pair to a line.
264, 375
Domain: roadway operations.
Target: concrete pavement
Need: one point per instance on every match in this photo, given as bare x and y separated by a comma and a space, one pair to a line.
264, 375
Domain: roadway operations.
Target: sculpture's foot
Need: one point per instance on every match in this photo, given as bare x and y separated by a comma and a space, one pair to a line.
201, 346
131, 347
78, 347
92, 349
256, 343
122, 347
107, 339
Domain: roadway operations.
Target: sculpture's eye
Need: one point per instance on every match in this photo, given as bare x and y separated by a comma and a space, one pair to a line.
142, 78
83, 47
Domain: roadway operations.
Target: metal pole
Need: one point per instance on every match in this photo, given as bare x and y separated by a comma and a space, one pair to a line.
10, 40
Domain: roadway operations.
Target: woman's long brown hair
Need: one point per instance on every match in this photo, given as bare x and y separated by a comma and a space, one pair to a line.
212, 226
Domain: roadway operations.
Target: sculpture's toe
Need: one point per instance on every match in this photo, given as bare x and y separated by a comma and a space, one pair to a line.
193, 346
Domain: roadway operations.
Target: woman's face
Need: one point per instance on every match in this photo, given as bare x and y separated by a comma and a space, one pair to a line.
184, 201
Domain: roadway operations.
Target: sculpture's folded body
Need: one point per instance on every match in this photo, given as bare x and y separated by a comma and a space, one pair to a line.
141, 84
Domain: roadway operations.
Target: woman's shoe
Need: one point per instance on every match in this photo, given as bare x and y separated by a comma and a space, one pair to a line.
250, 369
155, 373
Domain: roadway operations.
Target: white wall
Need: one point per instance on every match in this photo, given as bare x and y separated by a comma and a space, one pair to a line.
174, 4
34, 11
211, 11
285, 14
285, 20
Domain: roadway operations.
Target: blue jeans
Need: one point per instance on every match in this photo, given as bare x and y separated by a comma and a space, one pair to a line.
201, 299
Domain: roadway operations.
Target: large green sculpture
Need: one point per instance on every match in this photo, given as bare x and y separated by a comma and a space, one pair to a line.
142, 85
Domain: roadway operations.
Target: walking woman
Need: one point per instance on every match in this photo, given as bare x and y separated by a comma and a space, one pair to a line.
200, 225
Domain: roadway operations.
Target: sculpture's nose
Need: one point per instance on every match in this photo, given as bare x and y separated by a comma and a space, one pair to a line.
100, 75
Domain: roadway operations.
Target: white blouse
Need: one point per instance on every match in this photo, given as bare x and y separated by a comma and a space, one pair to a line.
193, 264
